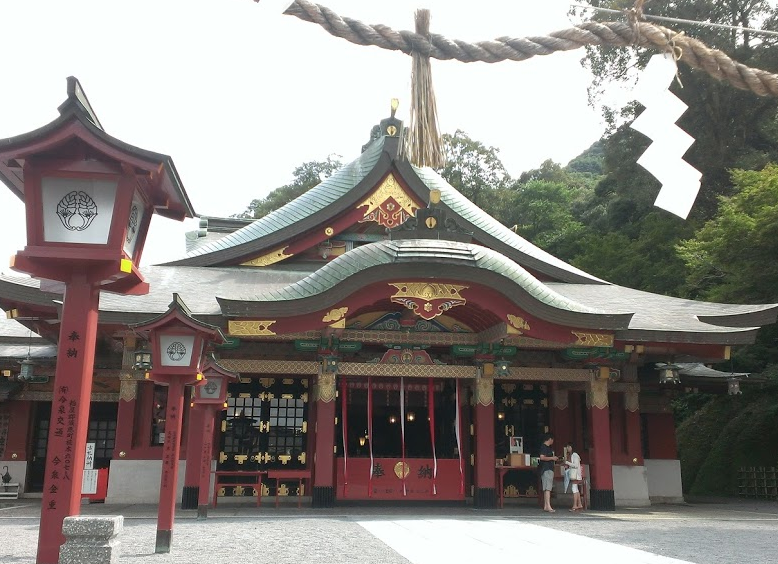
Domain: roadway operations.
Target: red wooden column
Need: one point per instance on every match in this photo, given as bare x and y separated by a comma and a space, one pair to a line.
69, 415
128, 395
561, 417
205, 458
170, 452
324, 457
632, 416
600, 462
485, 494
196, 439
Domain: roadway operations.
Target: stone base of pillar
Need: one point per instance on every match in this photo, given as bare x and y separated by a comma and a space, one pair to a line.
202, 512
323, 496
602, 500
164, 539
90, 539
189, 497
485, 498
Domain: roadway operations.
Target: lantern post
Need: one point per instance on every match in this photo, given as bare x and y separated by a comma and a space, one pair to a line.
207, 400
178, 342
89, 198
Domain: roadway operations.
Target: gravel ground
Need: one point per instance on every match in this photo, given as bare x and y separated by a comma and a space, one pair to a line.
720, 533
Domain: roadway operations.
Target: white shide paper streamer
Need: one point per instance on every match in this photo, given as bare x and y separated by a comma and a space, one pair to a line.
664, 157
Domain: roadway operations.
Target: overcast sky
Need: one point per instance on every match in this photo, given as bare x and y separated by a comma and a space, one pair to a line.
239, 96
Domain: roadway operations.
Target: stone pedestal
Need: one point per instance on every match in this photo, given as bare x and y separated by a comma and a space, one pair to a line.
91, 539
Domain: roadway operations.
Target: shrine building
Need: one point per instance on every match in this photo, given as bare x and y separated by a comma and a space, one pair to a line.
390, 338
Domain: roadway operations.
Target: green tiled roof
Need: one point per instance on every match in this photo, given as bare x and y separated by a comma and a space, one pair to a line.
471, 213
418, 250
312, 201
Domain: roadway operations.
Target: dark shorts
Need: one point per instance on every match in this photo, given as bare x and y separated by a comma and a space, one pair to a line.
547, 480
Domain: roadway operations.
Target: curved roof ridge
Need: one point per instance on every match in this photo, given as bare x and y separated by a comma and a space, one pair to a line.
469, 211
314, 200
386, 252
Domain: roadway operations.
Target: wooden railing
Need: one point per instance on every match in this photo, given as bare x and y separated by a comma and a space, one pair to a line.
758, 482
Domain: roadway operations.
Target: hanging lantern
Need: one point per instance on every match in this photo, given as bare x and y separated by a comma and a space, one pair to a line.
668, 373
733, 386
27, 373
142, 358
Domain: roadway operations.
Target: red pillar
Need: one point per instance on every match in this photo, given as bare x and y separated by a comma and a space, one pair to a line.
19, 436
632, 413
600, 461
125, 418
485, 494
324, 457
170, 453
69, 415
205, 459
196, 439
561, 419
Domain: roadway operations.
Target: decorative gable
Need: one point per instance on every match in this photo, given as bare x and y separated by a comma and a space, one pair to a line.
389, 205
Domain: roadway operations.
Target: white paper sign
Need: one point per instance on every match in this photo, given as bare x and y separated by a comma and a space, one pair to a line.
89, 459
664, 157
89, 482
77, 210
176, 350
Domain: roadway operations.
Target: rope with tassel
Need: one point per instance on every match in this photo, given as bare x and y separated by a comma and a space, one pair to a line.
620, 34
423, 145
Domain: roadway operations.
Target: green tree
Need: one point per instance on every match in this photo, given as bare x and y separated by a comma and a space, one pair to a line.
306, 176
475, 170
732, 258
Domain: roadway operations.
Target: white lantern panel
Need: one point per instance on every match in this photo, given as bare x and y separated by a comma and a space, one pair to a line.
77, 210
211, 388
133, 224
176, 350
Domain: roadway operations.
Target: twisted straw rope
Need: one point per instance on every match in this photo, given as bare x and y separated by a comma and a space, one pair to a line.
692, 51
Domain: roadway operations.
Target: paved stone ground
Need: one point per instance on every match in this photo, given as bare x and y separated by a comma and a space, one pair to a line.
729, 532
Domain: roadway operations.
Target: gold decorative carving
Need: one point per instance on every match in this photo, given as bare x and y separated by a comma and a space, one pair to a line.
270, 258
511, 491
222, 457
508, 388
401, 469
484, 391
389, 205
284, 458
301, 458
336, 314
265, 490
29, 395
250, 328
241, 458
560, 398
302, 367
548, 374
592, 339
428, 300
518, 324
329, 231
324, 389
283, 490
128, 390
406, 370
267, 382
238, 491
597, 394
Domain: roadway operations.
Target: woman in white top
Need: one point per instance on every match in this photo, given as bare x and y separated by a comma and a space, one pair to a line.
573, 463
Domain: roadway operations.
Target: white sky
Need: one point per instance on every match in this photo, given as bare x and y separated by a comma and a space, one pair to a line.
239, 96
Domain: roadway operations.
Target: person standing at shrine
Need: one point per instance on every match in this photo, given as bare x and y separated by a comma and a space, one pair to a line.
546, 464
573, 463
